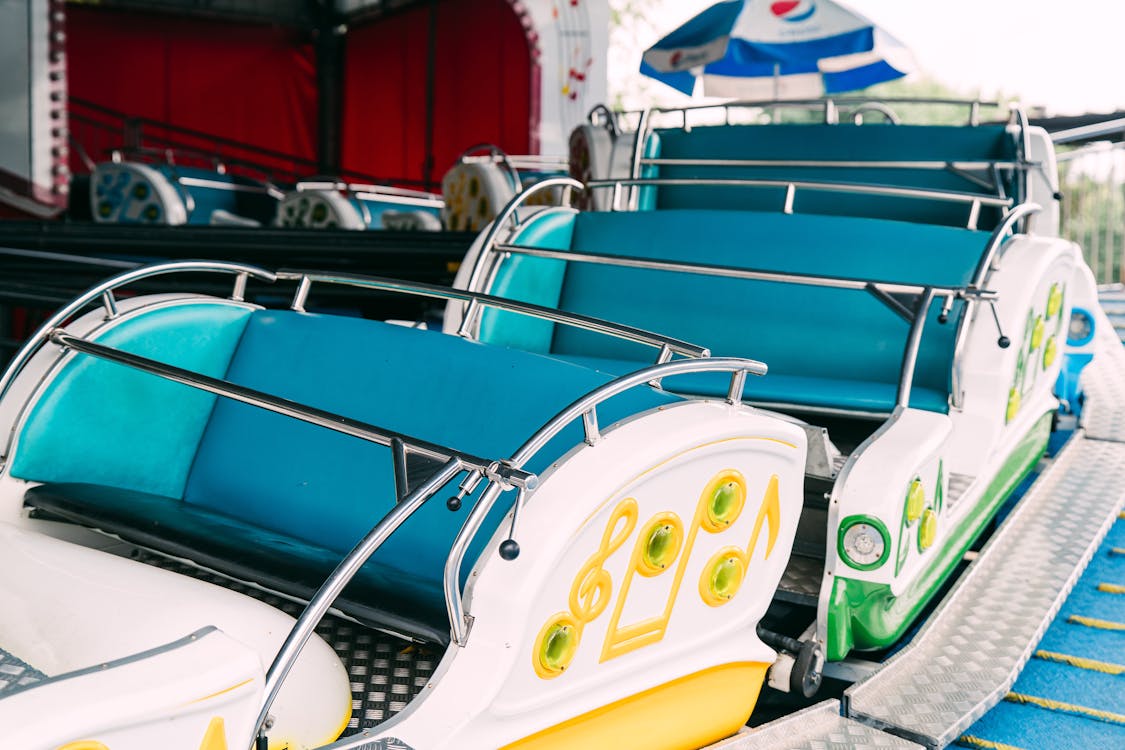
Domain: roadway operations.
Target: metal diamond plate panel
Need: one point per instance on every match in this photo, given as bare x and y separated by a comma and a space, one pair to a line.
1103, 381
972, 649
16, 673
386, 673
800, 583
820, 727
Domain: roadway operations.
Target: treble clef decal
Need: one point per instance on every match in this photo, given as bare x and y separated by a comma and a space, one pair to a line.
589, 596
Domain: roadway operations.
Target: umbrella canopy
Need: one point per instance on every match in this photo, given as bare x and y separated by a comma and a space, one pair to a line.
788, 49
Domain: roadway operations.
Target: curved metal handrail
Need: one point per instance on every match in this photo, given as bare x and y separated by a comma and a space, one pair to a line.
999, 236
585, 408
975, 200
506, 215
667, 344
105, 290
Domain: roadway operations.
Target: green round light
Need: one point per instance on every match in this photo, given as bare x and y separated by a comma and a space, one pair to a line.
1013, 405
927, 530
915, 501
104, 209
1050, 351
1054, 301
661, 548
319, 212
558, 647
726, 503
140, 191
1037, 333
726, 577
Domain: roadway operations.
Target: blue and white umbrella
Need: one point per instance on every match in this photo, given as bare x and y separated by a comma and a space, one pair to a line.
781, 49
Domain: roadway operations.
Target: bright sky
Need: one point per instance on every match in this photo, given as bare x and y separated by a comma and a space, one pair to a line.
1065, 55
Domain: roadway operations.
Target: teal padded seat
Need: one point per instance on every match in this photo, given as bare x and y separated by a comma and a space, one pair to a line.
842, 142
824, 347
277, 501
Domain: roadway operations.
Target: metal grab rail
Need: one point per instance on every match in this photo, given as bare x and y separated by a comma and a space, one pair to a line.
584, 408
999, 236
975, 200
881, 290
737, 272
331, 588
929, 164
490, 468
508, 214
476, 300
105, 290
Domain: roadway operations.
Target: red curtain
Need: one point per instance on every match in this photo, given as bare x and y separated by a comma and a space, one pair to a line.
248, 82
482, 90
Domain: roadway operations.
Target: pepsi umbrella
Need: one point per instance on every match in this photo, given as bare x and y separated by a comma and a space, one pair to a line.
791, 49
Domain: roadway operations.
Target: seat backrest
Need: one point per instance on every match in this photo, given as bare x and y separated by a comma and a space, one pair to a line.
795, 329
329, 489
835, 143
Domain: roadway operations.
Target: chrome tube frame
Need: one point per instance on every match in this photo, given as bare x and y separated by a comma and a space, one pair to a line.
331, 588
308, 414
509, 214
1089, 132
913, 343
460, 621
973, 199
97, 292
933, 164
476, 300
735, 272
980, 275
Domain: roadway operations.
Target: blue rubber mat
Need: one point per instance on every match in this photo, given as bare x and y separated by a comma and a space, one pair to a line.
1065, 687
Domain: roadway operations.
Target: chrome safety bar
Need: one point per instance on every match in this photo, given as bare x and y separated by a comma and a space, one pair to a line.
951, 196
1000, 235
335, 583
932, 164
1089, 132
737, 272
490, 468
881, 290
666, 344
104, 292
461, 622
508, 214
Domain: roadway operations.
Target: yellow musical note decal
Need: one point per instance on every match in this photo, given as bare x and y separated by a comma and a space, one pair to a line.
590, 593
662, 545
723, 574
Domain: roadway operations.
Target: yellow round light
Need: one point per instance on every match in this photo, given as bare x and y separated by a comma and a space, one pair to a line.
722, 577
1050, 351
663, 537
1013, 405
1054, 301
556, 646
915, 501
725, 496
927, 531
1037, 333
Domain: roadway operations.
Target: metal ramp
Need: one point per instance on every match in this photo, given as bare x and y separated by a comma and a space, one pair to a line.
819, 727
969, 653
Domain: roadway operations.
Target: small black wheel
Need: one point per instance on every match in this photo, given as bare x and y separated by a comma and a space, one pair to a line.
805, 677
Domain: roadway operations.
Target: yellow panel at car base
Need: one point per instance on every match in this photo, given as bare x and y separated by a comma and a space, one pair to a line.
718, 700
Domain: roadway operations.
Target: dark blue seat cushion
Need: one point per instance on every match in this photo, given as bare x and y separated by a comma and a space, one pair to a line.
800, 332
